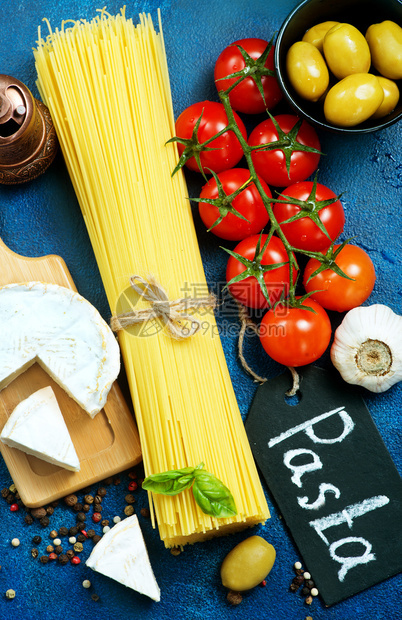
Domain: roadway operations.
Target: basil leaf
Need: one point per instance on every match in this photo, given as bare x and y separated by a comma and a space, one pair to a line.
212, 496
170, 482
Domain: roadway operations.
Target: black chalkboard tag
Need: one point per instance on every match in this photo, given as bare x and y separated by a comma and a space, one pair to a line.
333, 479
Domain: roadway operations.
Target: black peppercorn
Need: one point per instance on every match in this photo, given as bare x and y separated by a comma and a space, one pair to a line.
129, 499
81, 538
71, 500
91, 533
96, 538
101, 491
298, 580
80, 526
234, 598
77, 507
108, 480
44, 521
305, 591
70, 553
44, 559
10, 498
145, 512
36, 540
73, 530
63, 558
310, 583
58, 549
81, 516
97, 508
50, 510
95, 597
34, 553
28, 519
86, 507
97, 499
63, 531
5, 492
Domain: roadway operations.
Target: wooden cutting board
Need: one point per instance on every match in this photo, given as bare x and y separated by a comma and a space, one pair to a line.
105, 445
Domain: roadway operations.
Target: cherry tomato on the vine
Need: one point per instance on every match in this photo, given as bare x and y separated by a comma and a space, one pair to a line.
248, 204
304, 233
246, 97
227, 150
271, 164
335, 292
294, 336
248, 291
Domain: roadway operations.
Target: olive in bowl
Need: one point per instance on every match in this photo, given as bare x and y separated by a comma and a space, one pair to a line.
332, 101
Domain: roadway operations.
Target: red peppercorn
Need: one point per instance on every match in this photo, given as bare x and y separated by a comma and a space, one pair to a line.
75, 560
14, 507
96, 517
52, 556
132, 486
84, 532
263, 583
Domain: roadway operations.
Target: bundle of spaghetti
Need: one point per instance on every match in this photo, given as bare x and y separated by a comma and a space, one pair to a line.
107, 87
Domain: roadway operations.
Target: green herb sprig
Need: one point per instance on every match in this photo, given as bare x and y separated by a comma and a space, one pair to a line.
211, 495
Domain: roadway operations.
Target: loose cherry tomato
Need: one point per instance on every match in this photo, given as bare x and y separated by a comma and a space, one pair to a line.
271, 165
246, 97
336, 292
248, 204
294, 336
248, 291
227, 150
304, 233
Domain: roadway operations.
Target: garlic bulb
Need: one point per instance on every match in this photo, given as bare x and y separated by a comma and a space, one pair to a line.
367, 348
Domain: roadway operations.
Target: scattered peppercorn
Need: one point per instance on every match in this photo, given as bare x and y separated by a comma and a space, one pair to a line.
145, 512
28, 519
116, 519
73, 531
52, 556
81, 526
97, 507
106, 529
34, 553
129, 499
44, 559
38, 513
44, 521
70, 553
108, 480
53, 534
129, 510
101, 491
132, 486
263, 583
71, 500
5, 492
15, 542
78, 547
14, 507
84, 534
75, 560
310, 583
58, 549
86, 583
175, 551
95, 597
305, 591
98, 499
234, 598
96, 517
49, 549
309, 600
63, 558
132, 475
10, 593
90, 533
116, 481
50, 510
105, 522
96, 538
81, 516
77, 507
81, 538
89, 499
36, 540
12, 488
86, 508
63, 531
314, 592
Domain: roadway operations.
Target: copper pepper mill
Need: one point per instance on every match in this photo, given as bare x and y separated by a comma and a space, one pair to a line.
28, 141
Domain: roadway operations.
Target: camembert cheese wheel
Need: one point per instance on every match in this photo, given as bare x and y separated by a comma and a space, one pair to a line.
37, 427
65, 334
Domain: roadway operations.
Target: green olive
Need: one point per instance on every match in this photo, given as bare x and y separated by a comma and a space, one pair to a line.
247, 564
307, 70
316, 34
346, 51
353, 100
391, 97
385, 42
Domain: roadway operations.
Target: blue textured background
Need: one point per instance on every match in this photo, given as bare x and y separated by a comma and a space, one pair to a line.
43, 217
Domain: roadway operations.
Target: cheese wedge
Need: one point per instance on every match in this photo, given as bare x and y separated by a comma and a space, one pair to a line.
37, 427
121, 554
65, 334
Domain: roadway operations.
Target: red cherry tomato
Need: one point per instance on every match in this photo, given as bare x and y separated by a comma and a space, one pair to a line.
248, 203
228, 151
336, 292
271, 164
248, 291
293, 336
246, 97
304, 233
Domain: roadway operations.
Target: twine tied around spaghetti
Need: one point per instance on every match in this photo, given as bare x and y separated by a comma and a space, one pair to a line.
173, 313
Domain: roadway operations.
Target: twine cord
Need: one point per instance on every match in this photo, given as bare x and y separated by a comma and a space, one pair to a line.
174, 313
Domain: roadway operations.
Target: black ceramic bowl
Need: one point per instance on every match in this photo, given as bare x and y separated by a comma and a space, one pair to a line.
359, 13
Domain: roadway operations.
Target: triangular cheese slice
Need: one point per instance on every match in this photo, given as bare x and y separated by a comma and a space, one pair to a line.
37, 427
121, 554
